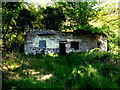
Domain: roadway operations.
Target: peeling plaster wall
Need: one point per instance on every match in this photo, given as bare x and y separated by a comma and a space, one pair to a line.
86, 43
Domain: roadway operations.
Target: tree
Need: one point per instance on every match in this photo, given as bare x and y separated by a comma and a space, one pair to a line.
15, 16
53, 18
78, 14
37, 13
107, 18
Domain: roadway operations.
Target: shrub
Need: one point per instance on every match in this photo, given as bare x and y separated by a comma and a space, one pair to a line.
89, 77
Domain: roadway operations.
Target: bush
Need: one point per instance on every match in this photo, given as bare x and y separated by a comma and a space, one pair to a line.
89, 77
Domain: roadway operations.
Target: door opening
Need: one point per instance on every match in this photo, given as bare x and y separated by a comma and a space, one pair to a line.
62, 48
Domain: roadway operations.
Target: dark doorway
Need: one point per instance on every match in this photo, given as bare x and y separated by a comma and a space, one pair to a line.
98, 44
62, 48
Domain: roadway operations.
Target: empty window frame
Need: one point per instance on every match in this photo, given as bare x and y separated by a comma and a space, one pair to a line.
75, 45
42, 44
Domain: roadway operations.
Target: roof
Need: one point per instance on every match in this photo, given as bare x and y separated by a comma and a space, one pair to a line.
42, 32
51, 32
84, 32
48, 32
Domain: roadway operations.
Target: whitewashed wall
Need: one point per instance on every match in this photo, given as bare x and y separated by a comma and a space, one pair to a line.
86, 43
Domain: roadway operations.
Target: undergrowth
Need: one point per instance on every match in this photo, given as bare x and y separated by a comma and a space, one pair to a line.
75, 70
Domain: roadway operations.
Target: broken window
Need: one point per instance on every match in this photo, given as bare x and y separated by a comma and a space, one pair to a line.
75, 45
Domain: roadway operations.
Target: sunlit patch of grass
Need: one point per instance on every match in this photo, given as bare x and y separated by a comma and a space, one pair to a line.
38, 75
30, 72
45, 77
53, 54
11, 67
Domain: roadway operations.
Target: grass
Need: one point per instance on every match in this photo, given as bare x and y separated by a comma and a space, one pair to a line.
75, 70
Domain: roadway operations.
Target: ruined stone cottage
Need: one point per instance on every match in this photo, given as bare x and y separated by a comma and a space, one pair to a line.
47, 41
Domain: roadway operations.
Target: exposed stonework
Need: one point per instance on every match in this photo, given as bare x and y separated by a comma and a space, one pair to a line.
50, 42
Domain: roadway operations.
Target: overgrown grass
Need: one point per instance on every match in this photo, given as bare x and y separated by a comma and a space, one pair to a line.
75, 70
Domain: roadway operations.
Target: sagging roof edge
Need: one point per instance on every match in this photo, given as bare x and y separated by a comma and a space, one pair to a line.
53, 32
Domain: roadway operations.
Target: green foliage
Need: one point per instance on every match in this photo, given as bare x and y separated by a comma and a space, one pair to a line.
85, 58
90, 70
77, 13
15, 17
107, 19
38, 14
53, 18
90, 29
75, 70
25, 83
89, 77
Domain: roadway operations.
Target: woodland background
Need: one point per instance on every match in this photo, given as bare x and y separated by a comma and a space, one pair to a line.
75, 70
